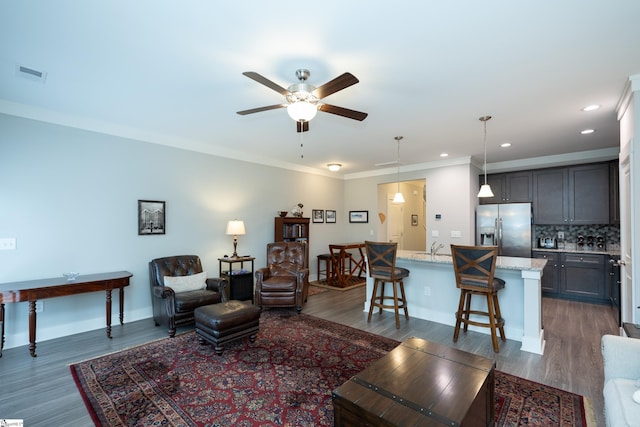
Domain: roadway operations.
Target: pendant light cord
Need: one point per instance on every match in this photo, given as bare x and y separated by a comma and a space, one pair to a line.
485, 152
484, 120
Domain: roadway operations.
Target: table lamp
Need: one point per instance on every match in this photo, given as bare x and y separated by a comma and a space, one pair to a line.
235, 228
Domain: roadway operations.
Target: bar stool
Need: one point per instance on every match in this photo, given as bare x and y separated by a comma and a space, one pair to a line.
326, 260
474, 268
381, 260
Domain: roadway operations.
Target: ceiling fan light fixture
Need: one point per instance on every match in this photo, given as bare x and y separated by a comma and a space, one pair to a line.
302, 111
334, 167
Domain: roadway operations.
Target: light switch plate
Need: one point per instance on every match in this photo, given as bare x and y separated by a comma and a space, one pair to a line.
455, 233
435, 233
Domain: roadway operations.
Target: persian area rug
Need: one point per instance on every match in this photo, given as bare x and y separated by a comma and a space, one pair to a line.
285, 378
354, 282
522, 402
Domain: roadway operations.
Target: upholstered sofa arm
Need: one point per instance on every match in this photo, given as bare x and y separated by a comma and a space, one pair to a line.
218, 284
163, 292
302, 275
262, 274
620, 355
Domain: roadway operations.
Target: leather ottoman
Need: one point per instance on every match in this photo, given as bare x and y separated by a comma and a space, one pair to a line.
226, 321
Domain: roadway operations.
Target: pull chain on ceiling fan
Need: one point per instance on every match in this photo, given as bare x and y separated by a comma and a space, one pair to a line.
303, 100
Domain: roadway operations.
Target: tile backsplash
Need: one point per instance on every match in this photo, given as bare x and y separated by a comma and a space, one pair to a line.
611, 233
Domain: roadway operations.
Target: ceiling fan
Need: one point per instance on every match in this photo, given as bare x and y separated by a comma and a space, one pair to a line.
303, 99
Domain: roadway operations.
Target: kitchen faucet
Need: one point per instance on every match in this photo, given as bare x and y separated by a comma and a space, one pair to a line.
435, 249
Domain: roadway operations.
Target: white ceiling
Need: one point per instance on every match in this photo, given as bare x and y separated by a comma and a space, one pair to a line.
170, 72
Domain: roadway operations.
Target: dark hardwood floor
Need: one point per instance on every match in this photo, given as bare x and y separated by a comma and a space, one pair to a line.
41, 390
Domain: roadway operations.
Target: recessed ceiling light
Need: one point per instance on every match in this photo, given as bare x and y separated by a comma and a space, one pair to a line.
505, 145
591, 107
334, 167
444, 154
587, 131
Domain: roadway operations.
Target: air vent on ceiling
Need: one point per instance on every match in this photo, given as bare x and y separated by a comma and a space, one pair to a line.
31, 74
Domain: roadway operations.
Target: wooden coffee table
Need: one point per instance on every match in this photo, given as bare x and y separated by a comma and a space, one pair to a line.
419, 383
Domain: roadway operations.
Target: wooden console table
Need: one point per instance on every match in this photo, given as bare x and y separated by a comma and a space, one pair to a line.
34, 290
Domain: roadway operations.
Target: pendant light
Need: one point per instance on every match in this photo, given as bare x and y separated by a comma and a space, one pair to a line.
398, 198
485, 190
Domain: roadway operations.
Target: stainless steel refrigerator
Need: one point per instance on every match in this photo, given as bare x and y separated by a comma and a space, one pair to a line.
507, 226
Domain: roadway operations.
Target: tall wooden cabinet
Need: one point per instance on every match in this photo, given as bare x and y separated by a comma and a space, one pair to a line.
292, 229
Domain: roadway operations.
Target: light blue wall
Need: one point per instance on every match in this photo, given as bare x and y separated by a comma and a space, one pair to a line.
70, 196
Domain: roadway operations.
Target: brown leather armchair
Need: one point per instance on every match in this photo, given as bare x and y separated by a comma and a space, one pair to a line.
285, 282
171, 308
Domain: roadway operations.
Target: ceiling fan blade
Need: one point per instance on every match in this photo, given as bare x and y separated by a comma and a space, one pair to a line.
265, 81
302, 127
341, 82
259, 109
344, 112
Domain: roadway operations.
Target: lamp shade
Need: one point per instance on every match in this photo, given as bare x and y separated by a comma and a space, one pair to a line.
485, 191
302, 111
398, 198
235, 227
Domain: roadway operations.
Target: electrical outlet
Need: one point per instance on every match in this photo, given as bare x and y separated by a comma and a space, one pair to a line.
427, 291
561, 235
8, 244
455, 233
39, 306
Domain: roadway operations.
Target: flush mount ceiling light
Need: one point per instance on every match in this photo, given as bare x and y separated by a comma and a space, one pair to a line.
485, 190
398, 197
587, 131
591, 107
334, 167
505, 145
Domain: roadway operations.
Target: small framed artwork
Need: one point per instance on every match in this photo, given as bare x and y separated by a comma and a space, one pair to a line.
151, 217
414, 220
331, 216
317, 215
359, 216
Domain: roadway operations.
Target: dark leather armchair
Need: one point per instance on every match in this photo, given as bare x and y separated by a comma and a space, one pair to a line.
285, 282
173, 309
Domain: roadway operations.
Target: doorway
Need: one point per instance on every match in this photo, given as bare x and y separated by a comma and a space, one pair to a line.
403, 223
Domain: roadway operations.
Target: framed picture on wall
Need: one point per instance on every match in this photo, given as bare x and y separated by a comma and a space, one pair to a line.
359, 216
151, 217
331, 216
317, 215
414, 220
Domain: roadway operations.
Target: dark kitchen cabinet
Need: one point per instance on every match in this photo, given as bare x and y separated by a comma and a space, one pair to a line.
550, 196
550, 276
574, 195
584, 277
511, 187
575, 276
589, 194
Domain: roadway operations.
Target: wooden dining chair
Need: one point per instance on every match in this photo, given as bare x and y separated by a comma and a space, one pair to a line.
474, 268
381, 260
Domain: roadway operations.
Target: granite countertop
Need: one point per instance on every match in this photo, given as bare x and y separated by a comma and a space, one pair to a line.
503, 262
585, 250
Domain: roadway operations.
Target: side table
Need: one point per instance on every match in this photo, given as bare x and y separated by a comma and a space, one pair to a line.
240, 279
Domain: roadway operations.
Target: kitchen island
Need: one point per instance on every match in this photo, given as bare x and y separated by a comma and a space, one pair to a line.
432, 294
